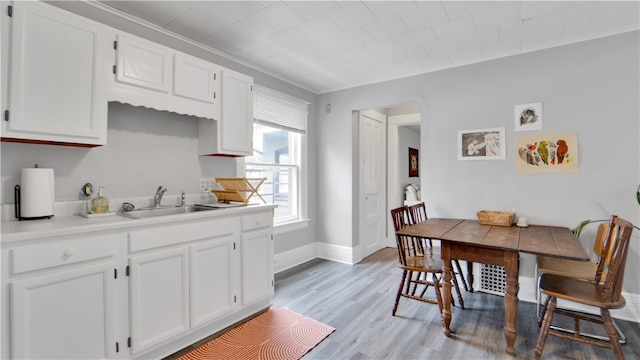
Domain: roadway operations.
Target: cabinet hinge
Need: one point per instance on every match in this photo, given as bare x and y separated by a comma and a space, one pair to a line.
114, 69
115, 273
115, 45
214, 76
214, 94
234, 299
251, 87
117, 347
271, 283
129, 341
234, 246
127, 272
6, 115
10, 11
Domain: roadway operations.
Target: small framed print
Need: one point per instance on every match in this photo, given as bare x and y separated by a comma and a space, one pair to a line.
482, 144
414, 170
528, 117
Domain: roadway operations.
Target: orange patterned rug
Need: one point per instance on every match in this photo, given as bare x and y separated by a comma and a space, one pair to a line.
276, 334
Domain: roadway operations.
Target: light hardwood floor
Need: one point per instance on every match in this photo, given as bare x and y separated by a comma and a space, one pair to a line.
357, 300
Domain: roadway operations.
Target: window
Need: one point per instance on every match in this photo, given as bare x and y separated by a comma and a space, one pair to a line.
278, 142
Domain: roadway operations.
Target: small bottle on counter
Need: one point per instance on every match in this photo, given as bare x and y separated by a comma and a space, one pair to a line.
100, 204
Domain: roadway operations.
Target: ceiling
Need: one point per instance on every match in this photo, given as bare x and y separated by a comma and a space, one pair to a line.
324, 46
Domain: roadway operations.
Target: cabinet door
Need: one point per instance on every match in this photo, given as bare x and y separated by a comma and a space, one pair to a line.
143, 64
58, 78
236, 126
213, 273
257, 266
159, 295
64, 315
196, 79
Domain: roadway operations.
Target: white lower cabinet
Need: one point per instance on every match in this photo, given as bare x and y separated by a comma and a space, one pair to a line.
213, 280
61, 297
174, 289
64, 315
142, 292
159, 297
257, 269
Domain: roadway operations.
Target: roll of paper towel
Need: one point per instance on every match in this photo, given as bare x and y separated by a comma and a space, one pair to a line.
36, 192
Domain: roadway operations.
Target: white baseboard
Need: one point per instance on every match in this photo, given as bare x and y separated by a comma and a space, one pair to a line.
336, 253
294, 257
343, 254
288, 259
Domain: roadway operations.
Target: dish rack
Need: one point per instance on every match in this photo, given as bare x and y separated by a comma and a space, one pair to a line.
238, 189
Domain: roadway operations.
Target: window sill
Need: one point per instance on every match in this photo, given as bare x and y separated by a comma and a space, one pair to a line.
290, 226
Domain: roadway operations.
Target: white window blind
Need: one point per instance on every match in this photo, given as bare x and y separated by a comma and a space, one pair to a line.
276, 109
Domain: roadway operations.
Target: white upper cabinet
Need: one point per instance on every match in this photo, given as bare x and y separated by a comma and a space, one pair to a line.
142, 63
151, 75
196, 79
233, 134
57, 77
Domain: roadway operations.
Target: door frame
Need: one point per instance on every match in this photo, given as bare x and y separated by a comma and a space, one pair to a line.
393, 185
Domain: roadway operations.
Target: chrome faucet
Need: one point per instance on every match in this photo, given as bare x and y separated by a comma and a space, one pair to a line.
158, 197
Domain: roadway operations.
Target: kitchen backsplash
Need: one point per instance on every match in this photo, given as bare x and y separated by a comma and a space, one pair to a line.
145, 149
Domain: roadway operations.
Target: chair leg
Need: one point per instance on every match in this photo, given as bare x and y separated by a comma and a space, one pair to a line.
402, 281
538, 293
461, 274
621, 336
454, 279
613, 334
436, 286
544, 310
549, 309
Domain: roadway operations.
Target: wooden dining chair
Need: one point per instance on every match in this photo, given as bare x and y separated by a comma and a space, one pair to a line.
584, 270
419, 269
418, 214
603, 291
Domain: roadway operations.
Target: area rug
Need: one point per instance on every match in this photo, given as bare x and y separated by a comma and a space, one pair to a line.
278, 334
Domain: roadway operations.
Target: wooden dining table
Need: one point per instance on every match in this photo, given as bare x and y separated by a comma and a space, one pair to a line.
469, 240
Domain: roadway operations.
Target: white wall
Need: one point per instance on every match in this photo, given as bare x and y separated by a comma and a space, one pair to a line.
591, 88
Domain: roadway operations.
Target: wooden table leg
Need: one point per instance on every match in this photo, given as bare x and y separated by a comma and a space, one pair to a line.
511, 299
446, 294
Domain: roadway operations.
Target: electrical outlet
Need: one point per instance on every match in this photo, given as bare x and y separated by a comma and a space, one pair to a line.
207, 183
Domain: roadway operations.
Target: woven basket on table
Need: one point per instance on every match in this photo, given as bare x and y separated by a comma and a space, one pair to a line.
501, 218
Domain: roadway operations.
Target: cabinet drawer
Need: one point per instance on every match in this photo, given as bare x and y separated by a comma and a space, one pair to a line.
257, 221
43, 256
178, 234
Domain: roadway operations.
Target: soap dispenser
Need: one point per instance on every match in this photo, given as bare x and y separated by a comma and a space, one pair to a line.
100, 204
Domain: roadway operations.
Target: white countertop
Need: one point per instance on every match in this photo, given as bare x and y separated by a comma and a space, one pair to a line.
13, 231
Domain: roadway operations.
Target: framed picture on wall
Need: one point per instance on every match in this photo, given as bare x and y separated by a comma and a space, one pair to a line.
528, 117
482, 144
413, 163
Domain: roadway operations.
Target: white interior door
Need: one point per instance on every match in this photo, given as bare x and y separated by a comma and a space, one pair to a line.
372, 181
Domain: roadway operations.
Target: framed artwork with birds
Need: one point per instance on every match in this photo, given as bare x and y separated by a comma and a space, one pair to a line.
549, 153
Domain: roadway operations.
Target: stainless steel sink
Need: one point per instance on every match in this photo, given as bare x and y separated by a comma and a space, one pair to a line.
162, 211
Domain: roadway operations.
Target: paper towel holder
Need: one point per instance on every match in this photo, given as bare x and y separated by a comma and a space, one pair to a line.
17, 208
